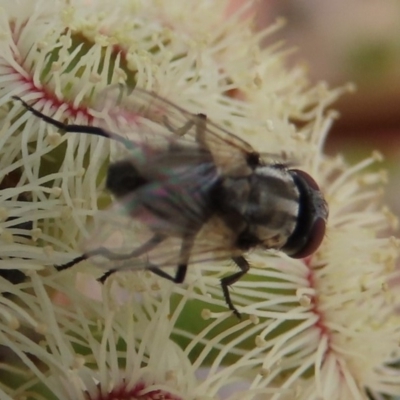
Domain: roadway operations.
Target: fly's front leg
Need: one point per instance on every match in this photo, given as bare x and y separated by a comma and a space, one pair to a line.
244, 266
178, 131
198, 120
201, 129
90, 130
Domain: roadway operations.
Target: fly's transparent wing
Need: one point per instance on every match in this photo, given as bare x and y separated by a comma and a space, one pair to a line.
166, 221
163, 224
136, 111
121, 243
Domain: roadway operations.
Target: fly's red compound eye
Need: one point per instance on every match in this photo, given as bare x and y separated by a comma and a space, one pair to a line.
308, 180
311, 219
314, 240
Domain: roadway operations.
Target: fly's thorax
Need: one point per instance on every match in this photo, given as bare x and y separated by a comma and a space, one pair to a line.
261, 207
273, 206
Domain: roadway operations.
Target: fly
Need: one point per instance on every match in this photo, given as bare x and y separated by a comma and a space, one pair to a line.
197, 193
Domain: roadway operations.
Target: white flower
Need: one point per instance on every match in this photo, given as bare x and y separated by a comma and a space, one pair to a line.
322, 327
326, 326
92, 349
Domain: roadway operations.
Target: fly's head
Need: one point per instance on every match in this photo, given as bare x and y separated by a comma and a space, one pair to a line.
285, 211
311, 220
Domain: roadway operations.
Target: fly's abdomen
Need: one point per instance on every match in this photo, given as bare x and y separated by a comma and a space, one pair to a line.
123, 178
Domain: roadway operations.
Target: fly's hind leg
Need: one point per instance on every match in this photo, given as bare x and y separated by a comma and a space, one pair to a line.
244, 266
71, 263
105, 276
104, 252
144, 248
179, 277
184, 255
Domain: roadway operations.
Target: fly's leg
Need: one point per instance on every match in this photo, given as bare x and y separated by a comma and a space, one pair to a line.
179, 277
71, 263
187, 244
91, 130
199, 121
105, 276
102, 251
244, 266
184, 255
201, 128
146, 247
178, 131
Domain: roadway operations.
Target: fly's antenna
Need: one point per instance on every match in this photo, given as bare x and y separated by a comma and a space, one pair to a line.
73, 128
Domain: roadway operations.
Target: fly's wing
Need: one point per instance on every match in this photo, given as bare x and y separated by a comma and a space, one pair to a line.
135, 111
162, 224
125, 244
